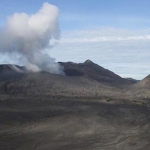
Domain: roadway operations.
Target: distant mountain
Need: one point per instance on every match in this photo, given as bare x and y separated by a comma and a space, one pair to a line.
82, 79
131, 79
10, 68
11, 71
95, 72
88, 68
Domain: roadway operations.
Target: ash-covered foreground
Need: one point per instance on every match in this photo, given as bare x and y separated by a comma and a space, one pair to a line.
61, 123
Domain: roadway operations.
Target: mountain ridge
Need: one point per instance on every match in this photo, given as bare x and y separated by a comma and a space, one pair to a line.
82, 79
91, 108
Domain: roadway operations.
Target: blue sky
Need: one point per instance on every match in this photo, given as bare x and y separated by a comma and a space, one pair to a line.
85, 14
113, 33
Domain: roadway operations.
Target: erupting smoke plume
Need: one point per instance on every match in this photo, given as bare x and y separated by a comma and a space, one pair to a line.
30, 36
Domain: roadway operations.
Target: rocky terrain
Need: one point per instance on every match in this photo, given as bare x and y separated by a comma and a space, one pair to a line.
88, 108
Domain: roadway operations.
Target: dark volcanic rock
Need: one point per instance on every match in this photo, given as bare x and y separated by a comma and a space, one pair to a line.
9, 72
90, 69
95, 72
9, 68
83, 79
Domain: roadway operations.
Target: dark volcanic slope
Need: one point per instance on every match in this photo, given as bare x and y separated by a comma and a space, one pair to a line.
141, 89
84, 79
145, 83
8, 72
90, 69
9, 68
43, 83
95, 72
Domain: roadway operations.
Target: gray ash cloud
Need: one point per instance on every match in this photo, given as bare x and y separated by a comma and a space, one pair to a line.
31, 37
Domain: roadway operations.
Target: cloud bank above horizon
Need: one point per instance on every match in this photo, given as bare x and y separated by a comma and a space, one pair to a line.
125, 52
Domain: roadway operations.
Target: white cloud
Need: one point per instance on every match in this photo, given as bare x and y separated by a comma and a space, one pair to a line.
122, 51
29, 36
104, 35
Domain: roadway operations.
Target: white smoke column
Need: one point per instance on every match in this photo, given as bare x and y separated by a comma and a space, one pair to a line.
30, 36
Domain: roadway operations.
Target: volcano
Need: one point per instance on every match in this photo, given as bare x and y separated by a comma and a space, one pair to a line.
89, 107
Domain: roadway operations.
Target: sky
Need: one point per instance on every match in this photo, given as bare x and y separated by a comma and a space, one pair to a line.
112, 33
